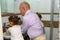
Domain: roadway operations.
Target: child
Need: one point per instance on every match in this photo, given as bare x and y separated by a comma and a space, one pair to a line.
15, 29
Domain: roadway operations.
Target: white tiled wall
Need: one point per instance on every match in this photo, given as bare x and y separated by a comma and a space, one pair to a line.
55, 33
48, 17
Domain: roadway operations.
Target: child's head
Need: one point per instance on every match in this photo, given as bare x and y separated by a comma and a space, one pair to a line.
39, 15
13, 20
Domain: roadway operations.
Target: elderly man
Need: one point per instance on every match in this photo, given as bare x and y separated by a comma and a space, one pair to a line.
31, 23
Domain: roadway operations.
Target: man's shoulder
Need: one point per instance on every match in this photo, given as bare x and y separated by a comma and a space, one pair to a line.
26, 17
30, 15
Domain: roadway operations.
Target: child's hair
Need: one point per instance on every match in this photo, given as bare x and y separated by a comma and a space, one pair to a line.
39, 15
15, 19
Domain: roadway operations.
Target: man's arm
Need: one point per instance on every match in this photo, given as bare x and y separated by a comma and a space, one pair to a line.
24, 25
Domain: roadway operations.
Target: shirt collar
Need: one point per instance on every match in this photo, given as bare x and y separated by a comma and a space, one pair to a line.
27, 12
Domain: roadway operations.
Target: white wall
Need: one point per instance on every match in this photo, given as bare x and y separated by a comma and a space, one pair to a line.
3, 2
36, 5
10, 6
43, 6
7, 6
56, 6
16, 5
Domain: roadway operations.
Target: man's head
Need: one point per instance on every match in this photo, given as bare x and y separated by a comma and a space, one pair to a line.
24, 7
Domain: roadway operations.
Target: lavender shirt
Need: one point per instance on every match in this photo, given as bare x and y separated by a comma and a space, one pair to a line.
31, 24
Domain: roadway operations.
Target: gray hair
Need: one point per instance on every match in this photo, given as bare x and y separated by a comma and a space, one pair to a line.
26, 4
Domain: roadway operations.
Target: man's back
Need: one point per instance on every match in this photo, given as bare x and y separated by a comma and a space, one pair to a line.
34, 27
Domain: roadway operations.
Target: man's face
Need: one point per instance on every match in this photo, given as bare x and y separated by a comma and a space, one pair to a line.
22, 10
